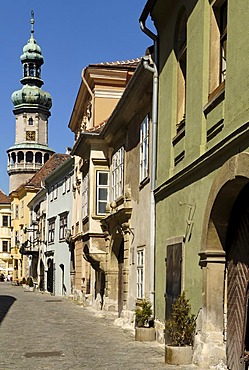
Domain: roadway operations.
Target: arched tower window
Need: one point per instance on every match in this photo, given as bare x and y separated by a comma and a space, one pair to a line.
13, 158
20, 157
38, 72
31, 121
46, 157
25, 70
32, 70
29, 157
181, 55
38, 157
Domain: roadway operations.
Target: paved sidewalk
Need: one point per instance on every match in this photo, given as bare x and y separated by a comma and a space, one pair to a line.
39, 331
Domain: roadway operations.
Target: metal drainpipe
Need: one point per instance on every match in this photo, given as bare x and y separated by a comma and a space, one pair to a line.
154, 118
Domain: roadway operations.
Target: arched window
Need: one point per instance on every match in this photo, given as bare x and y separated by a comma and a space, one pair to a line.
38, 157
31, 121
38, 72
29, 157
13, 158
46, 157
20, 157
181, 55
25, 70
32, 70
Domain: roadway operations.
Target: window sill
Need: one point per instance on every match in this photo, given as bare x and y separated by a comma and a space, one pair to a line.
85, 220
180, 134
99, 217
217, 96
144, 182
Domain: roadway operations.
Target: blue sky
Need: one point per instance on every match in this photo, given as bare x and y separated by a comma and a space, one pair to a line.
72, 34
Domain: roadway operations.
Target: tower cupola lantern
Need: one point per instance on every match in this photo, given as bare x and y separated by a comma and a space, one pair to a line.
32, 110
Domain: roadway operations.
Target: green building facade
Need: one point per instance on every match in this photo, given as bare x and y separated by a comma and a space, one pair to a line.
202, 175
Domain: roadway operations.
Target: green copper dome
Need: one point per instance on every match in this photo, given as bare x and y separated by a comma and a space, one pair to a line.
32, 51
31, 94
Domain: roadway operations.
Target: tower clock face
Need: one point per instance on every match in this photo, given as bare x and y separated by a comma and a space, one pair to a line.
30, 135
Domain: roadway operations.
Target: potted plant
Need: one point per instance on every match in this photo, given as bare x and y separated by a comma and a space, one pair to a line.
31, 283
181, 329
144, 323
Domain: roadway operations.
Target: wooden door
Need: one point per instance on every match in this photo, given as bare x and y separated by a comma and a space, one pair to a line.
237, 289
173, 278
120, 278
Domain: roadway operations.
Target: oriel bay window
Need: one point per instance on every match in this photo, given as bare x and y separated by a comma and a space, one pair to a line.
102, 193
117, 169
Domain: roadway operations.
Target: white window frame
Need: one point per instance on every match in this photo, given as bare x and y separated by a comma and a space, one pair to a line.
144, 149
6, 218
52, 193
68, 183
140, 272
64, 185
51, 230
63, 226
55, 191
100, 187
85, 194
6, 243
16, 211
117, 168
22, 208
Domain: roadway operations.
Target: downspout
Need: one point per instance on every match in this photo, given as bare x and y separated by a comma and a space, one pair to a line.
153, 68
90, 92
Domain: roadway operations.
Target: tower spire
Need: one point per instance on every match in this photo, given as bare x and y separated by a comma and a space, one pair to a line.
32, 21
32, 110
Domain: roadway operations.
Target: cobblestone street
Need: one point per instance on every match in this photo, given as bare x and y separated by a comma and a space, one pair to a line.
39, 331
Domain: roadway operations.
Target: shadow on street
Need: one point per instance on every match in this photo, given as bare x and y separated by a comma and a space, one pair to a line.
6, 302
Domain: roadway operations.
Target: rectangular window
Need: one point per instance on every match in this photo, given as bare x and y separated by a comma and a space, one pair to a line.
63, 226
6, 221
68, 183
223, 41
218, 46
140, 273
118, 174
144, 148
51, 230
16, 238
51, 193
64, 185
22, 209
85, 183
102, 190
16, 211
55, 191
5, 248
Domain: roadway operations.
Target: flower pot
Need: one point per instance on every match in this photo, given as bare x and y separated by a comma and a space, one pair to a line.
145, 334
175, 355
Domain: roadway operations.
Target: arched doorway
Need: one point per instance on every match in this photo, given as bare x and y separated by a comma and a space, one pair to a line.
225, 265
41, 276
50, 276
118, 261
237, 261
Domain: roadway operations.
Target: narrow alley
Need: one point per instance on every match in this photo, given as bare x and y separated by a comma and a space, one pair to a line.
40, 331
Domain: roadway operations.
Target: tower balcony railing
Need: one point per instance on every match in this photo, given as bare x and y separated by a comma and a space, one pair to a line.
24, 166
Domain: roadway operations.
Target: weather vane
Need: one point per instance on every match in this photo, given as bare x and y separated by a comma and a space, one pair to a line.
32, 21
